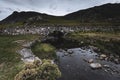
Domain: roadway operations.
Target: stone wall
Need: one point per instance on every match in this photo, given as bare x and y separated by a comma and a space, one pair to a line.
45, 30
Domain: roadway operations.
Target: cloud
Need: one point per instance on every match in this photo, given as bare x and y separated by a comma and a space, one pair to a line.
53, 7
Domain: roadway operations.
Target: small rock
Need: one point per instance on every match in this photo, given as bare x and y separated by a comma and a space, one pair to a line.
106, 58
65, 54
70, 51
52, 62
94, 48
106, 66
91, 61
95, 65
116, 61
102, 56
111, 56
81, 42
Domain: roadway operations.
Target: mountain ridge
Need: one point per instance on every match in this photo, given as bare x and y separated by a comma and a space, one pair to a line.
107, 13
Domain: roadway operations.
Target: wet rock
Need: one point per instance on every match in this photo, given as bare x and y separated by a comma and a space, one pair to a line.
103, 56
106, 66
26, 52
106, 70
94, 48
95, 65
52, 62
65, 54
27, 55
91, 61
116, 61
70, 51
106, 58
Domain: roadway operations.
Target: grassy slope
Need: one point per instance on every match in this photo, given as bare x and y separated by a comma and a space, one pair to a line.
10, 63
107, 42
59, 21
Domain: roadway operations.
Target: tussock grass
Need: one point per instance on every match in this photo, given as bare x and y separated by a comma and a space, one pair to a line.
10, 62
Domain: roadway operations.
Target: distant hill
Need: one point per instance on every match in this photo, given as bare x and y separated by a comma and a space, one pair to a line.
26, 16
107, 14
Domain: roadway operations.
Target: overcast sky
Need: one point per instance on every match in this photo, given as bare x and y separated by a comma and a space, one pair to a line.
53, 7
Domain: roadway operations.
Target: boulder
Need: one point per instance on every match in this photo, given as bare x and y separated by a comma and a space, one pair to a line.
91, 61
95, 65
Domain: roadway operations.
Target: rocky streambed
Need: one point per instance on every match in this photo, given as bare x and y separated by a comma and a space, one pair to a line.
85, 64
26, 52
79, 63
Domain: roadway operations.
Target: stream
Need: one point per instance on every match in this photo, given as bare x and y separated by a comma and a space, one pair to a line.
75, 62
74, 66
26, 53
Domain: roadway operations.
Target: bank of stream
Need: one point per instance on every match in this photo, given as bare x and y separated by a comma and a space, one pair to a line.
79, 60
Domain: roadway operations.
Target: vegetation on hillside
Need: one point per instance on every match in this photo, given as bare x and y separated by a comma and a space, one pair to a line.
104, 15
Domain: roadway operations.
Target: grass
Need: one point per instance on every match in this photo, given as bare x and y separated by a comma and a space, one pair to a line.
104, 35
58, 21
105, 41
11, 25
10, 62
38, 71
44, 50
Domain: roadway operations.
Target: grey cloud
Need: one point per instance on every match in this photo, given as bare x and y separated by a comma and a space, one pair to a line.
53, 7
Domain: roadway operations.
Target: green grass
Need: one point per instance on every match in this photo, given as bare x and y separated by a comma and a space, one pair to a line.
37, 71
11, 25
105, 41
44, 50
58, 21
10, 62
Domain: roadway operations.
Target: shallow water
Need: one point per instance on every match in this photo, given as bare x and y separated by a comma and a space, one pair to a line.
27, 55
73, 66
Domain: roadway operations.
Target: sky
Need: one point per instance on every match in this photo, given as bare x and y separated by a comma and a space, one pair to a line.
52, 7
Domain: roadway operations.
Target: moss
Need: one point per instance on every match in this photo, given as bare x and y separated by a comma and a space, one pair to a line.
44, 50
25, 74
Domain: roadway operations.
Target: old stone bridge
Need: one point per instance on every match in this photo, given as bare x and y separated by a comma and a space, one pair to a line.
45, 30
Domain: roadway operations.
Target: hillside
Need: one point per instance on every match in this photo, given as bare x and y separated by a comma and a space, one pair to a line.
107, 14
26, 16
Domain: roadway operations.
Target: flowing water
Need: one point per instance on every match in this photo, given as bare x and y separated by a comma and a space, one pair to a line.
74, 66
